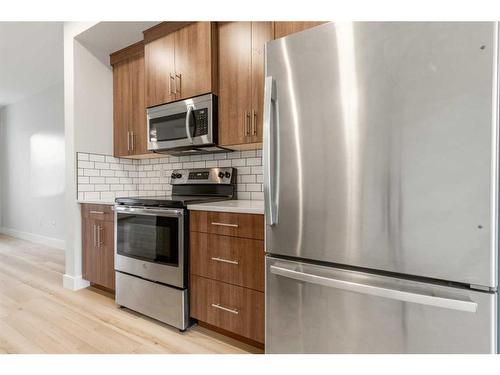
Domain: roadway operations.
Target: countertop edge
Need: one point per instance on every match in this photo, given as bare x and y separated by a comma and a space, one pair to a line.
228, 206
96, 202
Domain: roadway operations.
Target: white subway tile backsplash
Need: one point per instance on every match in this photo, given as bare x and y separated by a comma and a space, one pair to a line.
90, 196
94, 157
91, 172
85, 164
99, 165
97, 180
85, 187
107, 173
82, 156
254, 161
106, 177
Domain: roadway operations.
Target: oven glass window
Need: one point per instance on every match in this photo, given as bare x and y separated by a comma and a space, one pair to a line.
170, 128
150, 238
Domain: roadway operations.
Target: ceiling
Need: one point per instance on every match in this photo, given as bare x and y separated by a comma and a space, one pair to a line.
31, 58
107, 37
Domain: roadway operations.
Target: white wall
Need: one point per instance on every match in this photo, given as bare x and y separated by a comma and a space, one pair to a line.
32, 158
88, 96
93, 103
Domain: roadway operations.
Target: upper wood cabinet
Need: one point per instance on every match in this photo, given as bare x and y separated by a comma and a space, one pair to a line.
129, 109
180, 63
282, 29
241, 80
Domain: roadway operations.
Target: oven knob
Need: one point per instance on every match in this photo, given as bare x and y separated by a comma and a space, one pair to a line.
173, 175
227, 174
178, 175
221, 174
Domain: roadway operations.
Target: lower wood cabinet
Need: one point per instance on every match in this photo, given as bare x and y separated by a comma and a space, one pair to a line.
230, 307
237, 261
227, 272
98, 245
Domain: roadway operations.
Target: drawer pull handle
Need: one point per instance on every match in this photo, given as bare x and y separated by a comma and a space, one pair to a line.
225, 224
225, 260
218, 306
97, 212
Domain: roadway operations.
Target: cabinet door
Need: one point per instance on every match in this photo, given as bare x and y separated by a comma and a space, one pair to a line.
235, 87
98, 252
137, 113
90, 253
159, 70
193, 60
282, 29
262, 32
106, 245
121, 106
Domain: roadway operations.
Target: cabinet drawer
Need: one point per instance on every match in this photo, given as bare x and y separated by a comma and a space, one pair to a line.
233, 308
97, 211
228, 224
238, 261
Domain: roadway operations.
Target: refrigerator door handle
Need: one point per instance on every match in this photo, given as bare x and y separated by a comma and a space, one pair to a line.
399, 295
269, 152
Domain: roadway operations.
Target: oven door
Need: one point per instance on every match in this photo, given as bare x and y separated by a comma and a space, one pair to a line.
149, 243
187, 123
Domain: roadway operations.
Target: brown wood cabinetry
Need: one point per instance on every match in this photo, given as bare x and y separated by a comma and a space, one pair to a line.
228, 224
129, 109
180, 64
98, 245
241, 80
282, 29
227, 272
229, 307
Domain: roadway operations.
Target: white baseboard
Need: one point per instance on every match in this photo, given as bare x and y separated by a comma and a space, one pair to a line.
74, 282
47, 241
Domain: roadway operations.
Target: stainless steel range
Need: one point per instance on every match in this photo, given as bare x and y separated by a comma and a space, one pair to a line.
152, 243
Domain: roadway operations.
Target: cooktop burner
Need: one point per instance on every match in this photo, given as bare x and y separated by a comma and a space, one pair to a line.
191, 186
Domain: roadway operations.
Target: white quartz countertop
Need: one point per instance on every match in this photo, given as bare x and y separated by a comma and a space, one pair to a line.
239, 206
111, 203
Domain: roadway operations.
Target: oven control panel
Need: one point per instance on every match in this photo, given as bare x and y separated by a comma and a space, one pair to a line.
203, 176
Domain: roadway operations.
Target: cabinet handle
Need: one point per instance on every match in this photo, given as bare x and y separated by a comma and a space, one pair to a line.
99, 242
219, 306
172, 78
180, 84
222, 260
94, 234
132, 136
254, 123
128, 140
225, 224
247, 123
97, 212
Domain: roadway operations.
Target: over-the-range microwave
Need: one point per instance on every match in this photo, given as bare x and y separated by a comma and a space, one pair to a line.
184, 127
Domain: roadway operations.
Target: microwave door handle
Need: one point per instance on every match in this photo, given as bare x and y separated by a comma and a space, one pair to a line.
188, 132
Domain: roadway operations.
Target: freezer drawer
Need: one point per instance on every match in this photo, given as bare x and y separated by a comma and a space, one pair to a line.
318, 309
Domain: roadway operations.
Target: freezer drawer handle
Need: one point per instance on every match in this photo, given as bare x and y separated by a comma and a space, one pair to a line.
219, 306
225, 224
217, 259
399, 295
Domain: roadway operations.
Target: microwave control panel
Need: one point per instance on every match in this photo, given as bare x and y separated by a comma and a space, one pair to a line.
201, 121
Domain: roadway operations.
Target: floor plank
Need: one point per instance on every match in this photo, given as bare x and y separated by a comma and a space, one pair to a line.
37, 315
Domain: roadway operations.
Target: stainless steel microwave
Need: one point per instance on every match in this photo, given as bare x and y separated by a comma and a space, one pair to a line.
183, 125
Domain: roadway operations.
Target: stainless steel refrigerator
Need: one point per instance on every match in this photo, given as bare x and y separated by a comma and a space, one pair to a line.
381, 189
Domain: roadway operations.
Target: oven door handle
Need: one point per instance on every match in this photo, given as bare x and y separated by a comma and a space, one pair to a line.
167, 212
188, 132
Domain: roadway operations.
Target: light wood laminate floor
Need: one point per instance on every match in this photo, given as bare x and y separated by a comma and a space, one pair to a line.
37, 315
